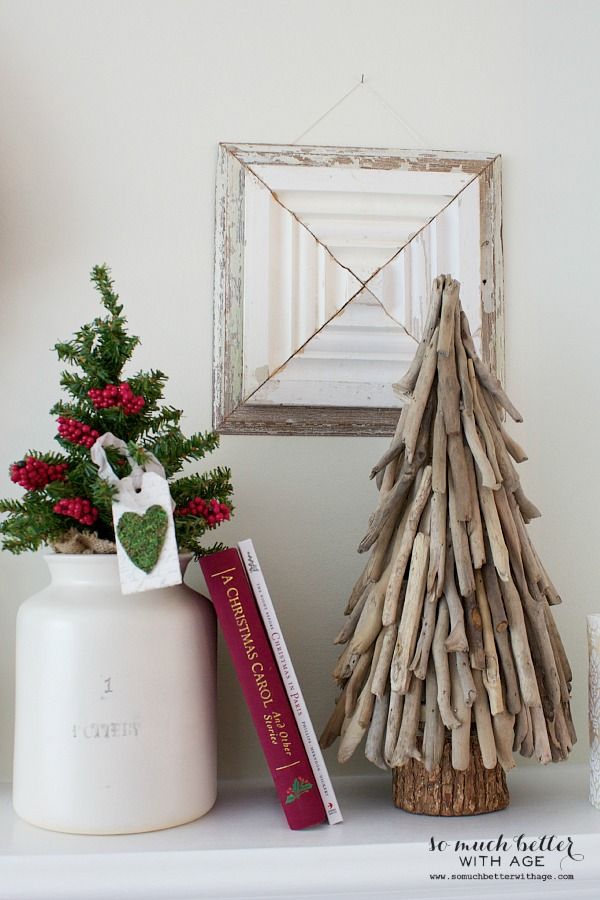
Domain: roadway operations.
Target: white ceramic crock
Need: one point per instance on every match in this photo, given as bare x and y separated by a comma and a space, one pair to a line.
115, 703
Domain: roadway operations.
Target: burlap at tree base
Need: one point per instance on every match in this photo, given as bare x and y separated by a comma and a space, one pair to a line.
82, 542
446, 792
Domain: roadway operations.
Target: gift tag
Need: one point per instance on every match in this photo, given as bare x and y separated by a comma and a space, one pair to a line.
143, 516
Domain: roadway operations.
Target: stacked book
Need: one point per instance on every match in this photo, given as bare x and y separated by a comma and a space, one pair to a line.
262, 662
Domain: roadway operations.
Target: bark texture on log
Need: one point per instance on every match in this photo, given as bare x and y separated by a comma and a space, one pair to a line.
446, 792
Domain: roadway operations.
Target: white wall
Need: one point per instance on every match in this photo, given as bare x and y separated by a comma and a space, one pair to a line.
110, 114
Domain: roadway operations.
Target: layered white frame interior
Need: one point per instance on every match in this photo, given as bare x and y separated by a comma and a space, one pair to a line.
324, 263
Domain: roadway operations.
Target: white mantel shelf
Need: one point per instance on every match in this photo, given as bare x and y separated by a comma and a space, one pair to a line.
243, 849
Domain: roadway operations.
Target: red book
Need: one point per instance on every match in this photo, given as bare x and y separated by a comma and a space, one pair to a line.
265, 694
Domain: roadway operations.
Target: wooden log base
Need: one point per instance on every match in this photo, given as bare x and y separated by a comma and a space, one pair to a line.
446, 792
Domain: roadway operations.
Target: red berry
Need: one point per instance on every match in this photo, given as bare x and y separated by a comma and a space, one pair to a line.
77, 508
212, 511
114, 395
34, 474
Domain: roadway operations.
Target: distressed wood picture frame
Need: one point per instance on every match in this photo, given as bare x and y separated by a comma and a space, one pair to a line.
324, 260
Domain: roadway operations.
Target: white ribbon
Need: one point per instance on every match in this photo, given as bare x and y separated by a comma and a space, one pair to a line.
105, 471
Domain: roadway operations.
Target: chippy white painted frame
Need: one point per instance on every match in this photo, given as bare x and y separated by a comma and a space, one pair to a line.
230, 414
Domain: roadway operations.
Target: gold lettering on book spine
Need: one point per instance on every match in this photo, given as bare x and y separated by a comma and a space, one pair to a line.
233, 597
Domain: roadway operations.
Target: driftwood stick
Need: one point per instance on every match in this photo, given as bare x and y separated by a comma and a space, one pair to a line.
352, 734
379, 559
520, 645
394, 719
448, 392
462, 364
442, 670
349, 626
532, 569
563, 733
376, 732
420, 660
482, 423
515, 449
565, 692
408, 381
458, 468
382, 672
461, 735
460, 543
437, 547
491, 674
405, 549
380, 552
390, 506
494, 597
527, 745
368, 702
406, 747
438, 456
511, 538
512, 694
485, 376
379, 556
357, 591
393, 451
488, 476
457, 639
445, 341
411, 613
473, 626
534, 609
346, 664
434, 732
466, 678
483, 723
569, 723
508, 473
527, 507
394, 499
503, 724
559, 649
547, 586
522, 727
425, 523
494, 531
369, 623
388, 475
357, 680
385, 479
474, 526
541, 742
536, 656
416, 407
333, 728
510, 477
355, 726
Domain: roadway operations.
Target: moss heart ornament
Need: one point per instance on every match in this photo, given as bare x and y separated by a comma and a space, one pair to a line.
142, 536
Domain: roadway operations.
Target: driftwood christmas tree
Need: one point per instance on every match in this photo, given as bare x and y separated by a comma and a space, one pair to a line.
452, 659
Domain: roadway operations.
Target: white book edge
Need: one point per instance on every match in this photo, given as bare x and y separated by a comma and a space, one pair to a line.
290, 680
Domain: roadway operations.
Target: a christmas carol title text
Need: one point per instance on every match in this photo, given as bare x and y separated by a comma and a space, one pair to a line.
275, 726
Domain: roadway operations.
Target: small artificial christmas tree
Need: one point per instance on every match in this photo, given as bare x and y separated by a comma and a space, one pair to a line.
452, 658
66, 503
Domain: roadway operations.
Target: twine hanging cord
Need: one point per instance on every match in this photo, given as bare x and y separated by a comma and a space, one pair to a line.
362, 83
